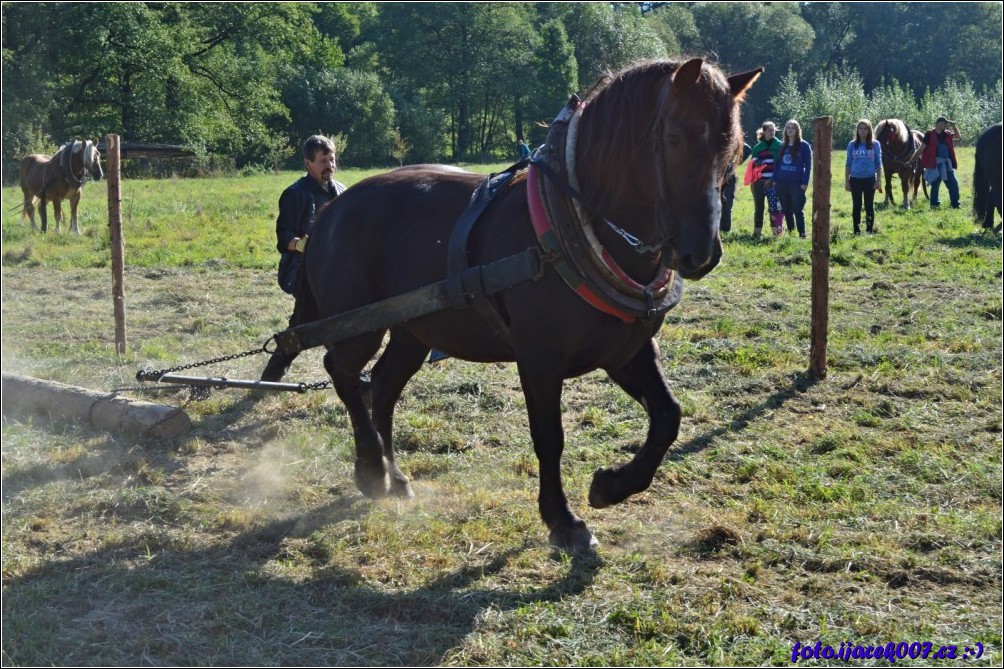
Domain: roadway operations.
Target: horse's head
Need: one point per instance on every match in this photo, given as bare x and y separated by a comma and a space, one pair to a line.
86, 160
92, 160
695, 137
685, 134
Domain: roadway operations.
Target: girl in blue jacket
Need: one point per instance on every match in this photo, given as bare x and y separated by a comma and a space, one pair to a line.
863, 174
791, 176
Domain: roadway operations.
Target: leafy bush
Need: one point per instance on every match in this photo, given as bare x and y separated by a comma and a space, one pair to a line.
841, 94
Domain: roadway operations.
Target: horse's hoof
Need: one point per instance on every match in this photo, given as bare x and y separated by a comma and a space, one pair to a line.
602, 491
371, 478
575, 538
401, 488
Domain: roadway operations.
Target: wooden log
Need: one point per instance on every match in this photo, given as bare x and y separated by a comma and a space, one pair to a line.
822, 140
102, 410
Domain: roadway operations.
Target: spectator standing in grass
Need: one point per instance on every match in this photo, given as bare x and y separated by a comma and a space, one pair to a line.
791, 176
863, 174
764, 156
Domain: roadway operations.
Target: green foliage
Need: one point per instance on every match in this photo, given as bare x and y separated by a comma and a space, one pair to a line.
841, 94
346, 102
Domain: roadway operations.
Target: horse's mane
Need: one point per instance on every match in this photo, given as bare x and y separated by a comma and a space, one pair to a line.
625, 103
895, 124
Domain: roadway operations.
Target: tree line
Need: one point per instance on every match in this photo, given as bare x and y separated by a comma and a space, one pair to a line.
416, 82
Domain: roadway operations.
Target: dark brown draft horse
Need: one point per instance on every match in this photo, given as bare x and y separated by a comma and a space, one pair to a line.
899, 146
987, 177
58, 178
653, 144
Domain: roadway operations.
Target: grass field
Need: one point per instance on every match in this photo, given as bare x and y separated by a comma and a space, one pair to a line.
864, 508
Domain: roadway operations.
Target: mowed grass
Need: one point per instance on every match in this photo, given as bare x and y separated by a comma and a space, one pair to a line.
862, 508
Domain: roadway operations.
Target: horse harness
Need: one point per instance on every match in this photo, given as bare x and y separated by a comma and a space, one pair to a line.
567, 242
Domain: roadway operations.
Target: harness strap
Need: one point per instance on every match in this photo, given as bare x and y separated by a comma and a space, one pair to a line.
491, 278
470, 280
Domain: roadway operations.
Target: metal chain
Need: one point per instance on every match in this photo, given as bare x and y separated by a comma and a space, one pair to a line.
197, 393
213, 361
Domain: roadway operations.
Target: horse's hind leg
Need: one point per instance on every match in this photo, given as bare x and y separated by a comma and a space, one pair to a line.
643, 380
344, 361
43, 215
28, 206
400, 361
57, 212
906, 179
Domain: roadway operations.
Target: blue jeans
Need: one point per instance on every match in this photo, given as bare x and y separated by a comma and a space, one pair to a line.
953, 190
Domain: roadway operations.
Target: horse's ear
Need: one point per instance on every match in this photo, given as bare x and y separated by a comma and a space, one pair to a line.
687, 74
740, 83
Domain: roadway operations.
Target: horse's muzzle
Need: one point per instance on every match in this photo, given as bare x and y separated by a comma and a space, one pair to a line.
693, 265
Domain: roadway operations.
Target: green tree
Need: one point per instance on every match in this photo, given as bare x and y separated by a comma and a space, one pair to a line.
605, 39
746, 35
346, 102
462, 60
554, 79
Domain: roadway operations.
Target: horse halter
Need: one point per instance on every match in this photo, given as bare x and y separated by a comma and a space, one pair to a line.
662, 213
565, 230
637, 245
66, 164
908, 148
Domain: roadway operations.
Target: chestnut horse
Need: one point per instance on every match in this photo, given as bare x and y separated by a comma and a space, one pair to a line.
58, 178
987, 177
899, 148
652, 148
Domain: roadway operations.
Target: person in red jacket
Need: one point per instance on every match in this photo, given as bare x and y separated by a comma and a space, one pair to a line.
937, 157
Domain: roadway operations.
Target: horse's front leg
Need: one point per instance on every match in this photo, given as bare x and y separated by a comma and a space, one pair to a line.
906, 189
643, 380
542, 390
74, 201
889, 199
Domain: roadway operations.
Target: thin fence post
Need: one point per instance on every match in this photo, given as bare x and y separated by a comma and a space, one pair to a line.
117, 244
821, 170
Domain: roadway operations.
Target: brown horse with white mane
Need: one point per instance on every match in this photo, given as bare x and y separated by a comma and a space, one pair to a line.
631, 190
54, 179
899, 156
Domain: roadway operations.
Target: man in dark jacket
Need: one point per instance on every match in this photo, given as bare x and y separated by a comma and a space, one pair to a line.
298, 205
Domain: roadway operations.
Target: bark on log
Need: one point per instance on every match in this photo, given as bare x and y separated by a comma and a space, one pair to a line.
102, 410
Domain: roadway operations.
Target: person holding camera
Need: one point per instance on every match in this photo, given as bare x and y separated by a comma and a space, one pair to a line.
937, 157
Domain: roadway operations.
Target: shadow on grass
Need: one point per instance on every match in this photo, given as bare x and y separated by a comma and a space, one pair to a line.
800, 383
985, 239
239, 603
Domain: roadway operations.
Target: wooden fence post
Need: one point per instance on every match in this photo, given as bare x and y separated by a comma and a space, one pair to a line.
822, 140
117, 245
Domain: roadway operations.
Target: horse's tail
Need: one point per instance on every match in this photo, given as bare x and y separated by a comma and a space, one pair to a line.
981, 190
